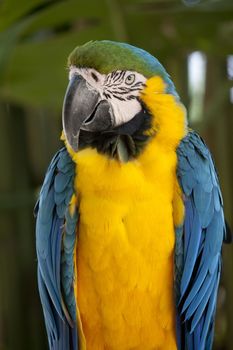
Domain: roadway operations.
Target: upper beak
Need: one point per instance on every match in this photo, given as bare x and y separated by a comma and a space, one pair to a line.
83, 108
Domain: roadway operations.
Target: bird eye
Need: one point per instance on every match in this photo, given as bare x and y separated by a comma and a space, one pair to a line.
130, 79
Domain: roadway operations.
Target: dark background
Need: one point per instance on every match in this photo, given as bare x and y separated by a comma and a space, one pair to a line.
35, 39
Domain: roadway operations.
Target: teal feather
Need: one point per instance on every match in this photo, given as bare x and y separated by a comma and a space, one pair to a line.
197, 276
55, 249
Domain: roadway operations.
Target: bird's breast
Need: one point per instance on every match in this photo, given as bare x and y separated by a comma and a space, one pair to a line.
125, 251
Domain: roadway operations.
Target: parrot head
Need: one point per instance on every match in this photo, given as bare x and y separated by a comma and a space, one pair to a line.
103, 104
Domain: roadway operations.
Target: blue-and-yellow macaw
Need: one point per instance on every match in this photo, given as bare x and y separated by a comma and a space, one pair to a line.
130, 217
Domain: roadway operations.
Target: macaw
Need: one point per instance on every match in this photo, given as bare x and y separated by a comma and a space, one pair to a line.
130, 220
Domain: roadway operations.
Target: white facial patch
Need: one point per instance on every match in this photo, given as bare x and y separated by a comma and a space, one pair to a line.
120, 88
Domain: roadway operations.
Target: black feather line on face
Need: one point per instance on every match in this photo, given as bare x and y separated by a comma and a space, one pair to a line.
118, 97
132, 134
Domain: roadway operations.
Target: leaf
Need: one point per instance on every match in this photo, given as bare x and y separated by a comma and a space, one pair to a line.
12, 10
36, 72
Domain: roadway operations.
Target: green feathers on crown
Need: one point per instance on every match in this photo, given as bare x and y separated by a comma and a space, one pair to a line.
106, 56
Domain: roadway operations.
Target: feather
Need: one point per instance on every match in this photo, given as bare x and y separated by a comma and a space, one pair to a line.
122, 151
192, 251
55, 241
202, 234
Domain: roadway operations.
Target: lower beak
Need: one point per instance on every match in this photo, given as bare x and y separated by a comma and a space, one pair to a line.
84, 109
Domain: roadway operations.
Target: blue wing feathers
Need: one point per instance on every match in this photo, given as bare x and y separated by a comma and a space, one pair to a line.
192, 252
200, 305
55, 241
197, 273
48, 314
209, 316
179, 248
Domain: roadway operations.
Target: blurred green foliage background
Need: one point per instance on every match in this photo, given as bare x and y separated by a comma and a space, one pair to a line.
36, 37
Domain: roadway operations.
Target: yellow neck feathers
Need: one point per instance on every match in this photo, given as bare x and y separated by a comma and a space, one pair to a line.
169, 115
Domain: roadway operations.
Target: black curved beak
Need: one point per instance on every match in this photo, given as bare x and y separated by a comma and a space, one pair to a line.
84, 109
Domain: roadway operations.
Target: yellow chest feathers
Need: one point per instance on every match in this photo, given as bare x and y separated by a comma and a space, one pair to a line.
126, 240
